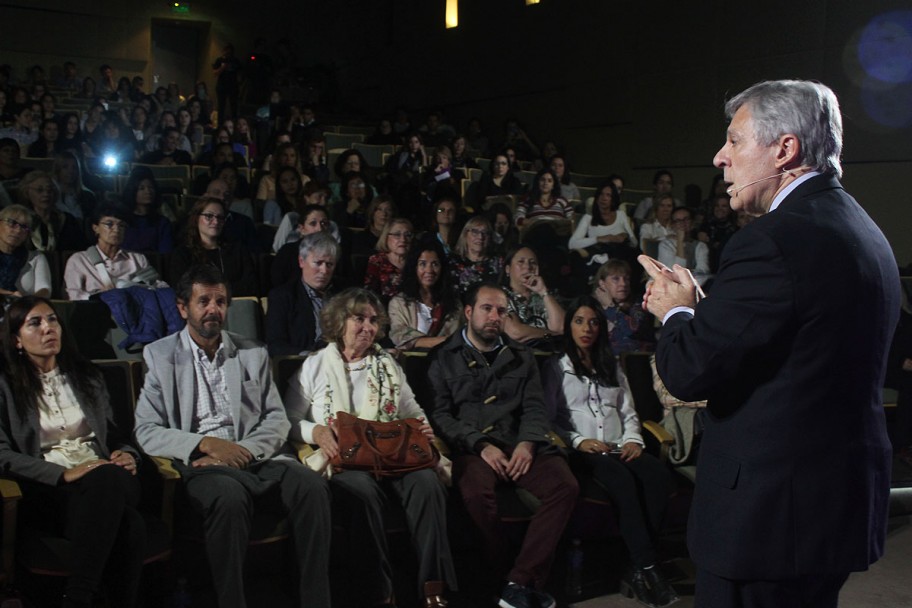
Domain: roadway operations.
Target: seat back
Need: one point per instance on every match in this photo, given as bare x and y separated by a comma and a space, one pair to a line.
638, 370
245, 317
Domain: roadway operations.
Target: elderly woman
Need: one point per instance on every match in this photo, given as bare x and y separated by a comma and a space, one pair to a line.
105, 265
384, 268
54, 230
592, 410
353, 374
473, 260
59, 440
425, 312
533, 314
22, 272
204, 244
149, 229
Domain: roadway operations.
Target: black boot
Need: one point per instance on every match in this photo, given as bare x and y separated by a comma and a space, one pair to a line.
663, 594
634, 584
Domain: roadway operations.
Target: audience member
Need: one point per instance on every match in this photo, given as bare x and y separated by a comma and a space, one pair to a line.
717, 228
286, 155
499, 180
592, 409
169, 152
683, 249
569, 190
544, 200
425, 312
46, 144
384, 268
662, 183
148, 229
473, 259
58, 438
209, 404
533, 313
630, 328
489, 408
660, 227
351, 211
54, 230
23, 272
353, 374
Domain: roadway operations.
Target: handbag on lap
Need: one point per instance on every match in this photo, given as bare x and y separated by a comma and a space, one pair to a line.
385, 449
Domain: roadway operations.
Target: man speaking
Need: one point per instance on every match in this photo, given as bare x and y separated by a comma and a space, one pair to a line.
789, 349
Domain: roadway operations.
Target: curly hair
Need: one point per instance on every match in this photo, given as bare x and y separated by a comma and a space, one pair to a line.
352, 301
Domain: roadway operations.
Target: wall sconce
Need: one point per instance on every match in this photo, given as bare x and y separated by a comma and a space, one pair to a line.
531, 2
452, 13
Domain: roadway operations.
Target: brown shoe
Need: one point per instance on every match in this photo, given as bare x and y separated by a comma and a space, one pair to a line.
433, 595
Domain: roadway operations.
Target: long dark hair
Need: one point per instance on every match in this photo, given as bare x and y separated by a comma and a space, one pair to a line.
604, 364
535, 190
23, 376
440, 291
615, 202
131, 189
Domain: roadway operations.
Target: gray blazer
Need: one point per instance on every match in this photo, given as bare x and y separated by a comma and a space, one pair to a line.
164, 414
20, 444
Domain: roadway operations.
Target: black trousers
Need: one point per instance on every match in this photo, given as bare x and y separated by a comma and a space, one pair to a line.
98, 515
226, 499
639, 489
812, 591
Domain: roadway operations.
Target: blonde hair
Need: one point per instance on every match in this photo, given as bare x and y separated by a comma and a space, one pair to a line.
382, 244
346, 304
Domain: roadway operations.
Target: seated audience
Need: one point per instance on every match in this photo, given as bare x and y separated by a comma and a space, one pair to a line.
23, 272
311, 219
46, 144
568, 189
660, 227
21, 129
499, 180
461, 158
353, 374
443, 223
378, 214
148, 229
662, 182
384, 268
315, 163
287, 232
54, 230
630, 328
75, 198
592, 410
489, 408
682, 248
169, 152
425, 312
607, 229
533, 314
59, 440
289, 194
717, 228
106, 265
473, 259
544, 200
293, 318
204, 243
209, 405
286, 155
71, 138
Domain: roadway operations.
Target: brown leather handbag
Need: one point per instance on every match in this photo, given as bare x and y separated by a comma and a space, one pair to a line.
386, 449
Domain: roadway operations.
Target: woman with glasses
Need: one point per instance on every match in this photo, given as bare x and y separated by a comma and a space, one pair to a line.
443, 223
106, 265
473, 260
53, 230
22, 272
499, 180
384, 268
204, 244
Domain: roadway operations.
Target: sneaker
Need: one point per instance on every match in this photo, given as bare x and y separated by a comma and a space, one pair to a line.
517, 596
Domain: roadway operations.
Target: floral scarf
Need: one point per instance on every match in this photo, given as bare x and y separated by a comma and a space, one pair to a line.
383, 388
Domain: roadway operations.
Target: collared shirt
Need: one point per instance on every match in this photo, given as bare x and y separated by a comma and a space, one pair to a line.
212, 409
82, 278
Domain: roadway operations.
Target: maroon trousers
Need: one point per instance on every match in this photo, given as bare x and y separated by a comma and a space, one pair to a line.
549, 479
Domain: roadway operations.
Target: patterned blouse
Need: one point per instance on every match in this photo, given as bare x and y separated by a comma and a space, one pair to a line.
465, 273
530, 311
631, 330
382, 276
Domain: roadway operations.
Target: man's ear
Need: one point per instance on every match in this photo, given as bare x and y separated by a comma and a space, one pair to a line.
182, 309
467, 311
788, 152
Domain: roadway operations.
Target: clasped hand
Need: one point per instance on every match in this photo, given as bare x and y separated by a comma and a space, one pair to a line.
668, 287
325, 437
513, 468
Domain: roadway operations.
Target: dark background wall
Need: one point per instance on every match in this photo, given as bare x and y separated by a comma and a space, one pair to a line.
624, 85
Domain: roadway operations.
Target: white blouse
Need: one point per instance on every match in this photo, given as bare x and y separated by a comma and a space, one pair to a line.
65, 435
596, 411
587, 235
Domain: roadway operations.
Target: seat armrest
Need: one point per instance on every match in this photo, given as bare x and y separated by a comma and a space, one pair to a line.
662, 436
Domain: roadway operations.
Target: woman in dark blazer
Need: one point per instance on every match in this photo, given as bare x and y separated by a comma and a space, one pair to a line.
59, 441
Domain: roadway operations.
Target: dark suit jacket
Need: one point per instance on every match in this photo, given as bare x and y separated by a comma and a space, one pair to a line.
790, 349
20, 444
290, 324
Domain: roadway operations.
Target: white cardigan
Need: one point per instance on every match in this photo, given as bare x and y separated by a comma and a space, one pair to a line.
587, 235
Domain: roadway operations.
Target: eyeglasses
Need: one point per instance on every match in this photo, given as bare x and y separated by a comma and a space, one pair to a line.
111, 225
478, 232
445, 210
358, 185
13, 224
212, 218
401, 235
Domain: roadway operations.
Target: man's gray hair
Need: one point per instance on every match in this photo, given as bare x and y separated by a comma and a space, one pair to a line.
320, 243
808, 110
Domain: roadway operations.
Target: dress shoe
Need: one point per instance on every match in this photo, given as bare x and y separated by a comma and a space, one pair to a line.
433, 595
634, 584
663, 594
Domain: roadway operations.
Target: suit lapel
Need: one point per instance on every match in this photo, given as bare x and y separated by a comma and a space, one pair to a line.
184, 372
233, 379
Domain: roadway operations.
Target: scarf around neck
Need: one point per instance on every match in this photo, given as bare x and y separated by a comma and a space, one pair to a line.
383, 389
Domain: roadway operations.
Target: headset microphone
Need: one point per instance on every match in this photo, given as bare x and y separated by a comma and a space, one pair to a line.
732, 191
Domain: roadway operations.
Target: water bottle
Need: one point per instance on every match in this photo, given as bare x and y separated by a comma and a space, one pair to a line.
575, 569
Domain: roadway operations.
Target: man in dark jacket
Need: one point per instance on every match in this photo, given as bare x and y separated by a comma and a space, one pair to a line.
293, 318
489, 408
